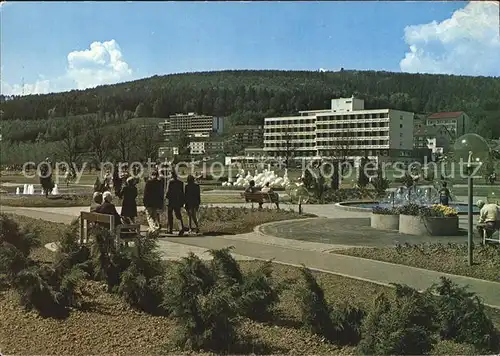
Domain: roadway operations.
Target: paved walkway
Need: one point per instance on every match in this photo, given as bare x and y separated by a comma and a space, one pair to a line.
293, 252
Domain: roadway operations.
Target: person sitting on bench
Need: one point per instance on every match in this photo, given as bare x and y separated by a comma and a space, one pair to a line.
96, 201
253, 189
268, 190
488, 219
107, 207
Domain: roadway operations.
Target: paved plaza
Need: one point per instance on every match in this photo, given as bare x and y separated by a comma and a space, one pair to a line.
305, 242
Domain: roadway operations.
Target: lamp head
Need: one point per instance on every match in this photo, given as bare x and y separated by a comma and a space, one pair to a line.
471, 149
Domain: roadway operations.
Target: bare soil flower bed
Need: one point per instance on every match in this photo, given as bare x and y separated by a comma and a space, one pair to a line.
105, 324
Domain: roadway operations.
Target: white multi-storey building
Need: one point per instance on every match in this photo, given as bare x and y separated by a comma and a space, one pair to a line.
346, 131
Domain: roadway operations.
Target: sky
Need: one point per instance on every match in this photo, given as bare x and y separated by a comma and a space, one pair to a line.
58, 46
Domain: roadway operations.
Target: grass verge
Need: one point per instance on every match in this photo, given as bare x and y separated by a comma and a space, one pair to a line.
446, 258
228, 221
67, 200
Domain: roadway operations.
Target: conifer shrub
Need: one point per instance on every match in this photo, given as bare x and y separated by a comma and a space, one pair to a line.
259, 293
203, 307
462, 318
314, 309
255, 292
50, 290
142, 283
42, 288
16, 245
340, 325
24, 240
108, 260
400, 325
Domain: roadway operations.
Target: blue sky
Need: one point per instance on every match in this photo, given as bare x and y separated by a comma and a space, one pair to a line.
170, 37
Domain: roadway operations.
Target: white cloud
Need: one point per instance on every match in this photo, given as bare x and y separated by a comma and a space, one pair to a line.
101, 64
467, 43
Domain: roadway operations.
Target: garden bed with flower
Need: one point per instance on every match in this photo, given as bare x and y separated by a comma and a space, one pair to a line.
413, 219
436, 220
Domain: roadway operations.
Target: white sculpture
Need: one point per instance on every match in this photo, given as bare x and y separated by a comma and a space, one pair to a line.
55, 191
17, 191
25, 189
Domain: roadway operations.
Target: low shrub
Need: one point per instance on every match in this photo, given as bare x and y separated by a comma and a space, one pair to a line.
141, 284
23, 240
401, 325
108, 261
204, 309
256, 292
462, 318
259, 293
314, 309
42, 288
337, 325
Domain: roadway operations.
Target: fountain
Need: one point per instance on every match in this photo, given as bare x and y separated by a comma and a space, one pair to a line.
424, 196
260, 179
31, 189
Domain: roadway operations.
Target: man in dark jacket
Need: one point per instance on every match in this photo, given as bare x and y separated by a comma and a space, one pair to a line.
193, 201
153, 201
176, 200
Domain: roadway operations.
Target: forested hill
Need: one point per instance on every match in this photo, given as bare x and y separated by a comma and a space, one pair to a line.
249, 96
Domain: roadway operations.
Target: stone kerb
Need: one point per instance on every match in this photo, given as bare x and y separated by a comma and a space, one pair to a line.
384, 221
429, 226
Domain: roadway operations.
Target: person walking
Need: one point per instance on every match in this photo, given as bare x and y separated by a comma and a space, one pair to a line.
176, 200
193, 201
129, 194
153, 201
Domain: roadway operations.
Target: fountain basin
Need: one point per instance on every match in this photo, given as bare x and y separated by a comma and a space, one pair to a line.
430, 226
367, 206
384, 222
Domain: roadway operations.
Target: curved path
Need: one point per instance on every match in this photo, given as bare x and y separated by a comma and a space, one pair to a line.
258, 245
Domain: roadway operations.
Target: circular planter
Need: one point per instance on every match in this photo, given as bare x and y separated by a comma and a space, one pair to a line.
430, 226
384, 221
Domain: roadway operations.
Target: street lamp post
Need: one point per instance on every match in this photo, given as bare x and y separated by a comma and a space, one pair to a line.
474, 150
470, 211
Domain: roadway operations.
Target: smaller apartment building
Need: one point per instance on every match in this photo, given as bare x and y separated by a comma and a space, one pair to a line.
194, 125
436, 138
346, 130
247, 135
458, 123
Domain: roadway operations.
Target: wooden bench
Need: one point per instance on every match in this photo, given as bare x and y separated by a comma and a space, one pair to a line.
491, 239
261, 198
121, 232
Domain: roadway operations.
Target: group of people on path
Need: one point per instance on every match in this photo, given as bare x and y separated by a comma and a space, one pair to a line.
178, 196
156, 190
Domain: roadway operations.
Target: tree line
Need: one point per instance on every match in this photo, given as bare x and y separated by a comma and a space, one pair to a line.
36, 125
249, 96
